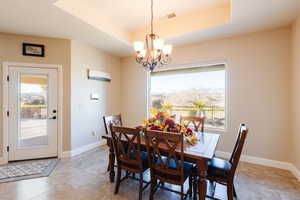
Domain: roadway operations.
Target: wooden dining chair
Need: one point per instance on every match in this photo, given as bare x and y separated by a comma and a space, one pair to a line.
170, 168
115, 120
198, 122
127, 145
223, 171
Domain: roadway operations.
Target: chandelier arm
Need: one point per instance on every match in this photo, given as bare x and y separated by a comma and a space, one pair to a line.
139, 59
165, 59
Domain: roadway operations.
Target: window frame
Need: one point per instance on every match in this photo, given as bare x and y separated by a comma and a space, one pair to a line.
194, 65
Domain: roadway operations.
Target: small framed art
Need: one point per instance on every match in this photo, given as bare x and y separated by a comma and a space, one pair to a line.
33, 50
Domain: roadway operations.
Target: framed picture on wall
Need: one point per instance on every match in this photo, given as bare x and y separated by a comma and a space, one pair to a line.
33, 50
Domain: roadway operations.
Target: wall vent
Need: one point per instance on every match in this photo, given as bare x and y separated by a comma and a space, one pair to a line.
171, 15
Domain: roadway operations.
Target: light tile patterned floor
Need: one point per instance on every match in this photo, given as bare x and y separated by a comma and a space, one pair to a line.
85, 178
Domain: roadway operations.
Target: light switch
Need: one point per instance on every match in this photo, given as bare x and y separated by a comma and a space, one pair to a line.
94, 96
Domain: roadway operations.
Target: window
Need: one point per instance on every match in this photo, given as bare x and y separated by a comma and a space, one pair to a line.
197, 91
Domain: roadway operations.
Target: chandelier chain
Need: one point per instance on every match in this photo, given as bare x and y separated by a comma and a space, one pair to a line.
151, 16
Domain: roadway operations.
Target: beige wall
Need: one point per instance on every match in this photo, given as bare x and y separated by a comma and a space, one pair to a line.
258, 68
296, 90
57, 51
86, 115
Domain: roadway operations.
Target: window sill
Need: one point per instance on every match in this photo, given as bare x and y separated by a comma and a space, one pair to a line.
215, 130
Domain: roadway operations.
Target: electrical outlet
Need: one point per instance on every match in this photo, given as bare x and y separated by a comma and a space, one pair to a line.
94, 133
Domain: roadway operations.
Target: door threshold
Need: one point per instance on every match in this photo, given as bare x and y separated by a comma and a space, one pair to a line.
13, 161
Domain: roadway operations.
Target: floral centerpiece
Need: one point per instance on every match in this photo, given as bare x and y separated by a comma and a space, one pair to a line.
162, 120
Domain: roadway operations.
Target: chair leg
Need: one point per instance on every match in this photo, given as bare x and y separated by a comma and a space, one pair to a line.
195, 187
111, 161
190, 186
182, 192
108, 167
110, 164
230, 191
234, 192
127, 174
212, 188
141, 186
118, 180
152, 188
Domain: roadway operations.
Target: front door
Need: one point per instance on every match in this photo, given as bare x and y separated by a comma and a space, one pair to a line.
32, 126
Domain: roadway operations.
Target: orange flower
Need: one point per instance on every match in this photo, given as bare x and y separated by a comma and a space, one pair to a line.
166, 115
167, 107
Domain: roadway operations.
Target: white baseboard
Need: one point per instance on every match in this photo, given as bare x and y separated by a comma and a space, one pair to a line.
295, 171
2, 161
264, 162
66, 154
77, 151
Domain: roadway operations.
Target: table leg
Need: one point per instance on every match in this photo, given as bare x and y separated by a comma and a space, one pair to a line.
111, 161
202, 186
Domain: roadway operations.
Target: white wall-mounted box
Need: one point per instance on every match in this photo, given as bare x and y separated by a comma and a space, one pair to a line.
98, 75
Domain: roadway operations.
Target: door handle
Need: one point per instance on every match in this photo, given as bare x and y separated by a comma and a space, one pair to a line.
54, 117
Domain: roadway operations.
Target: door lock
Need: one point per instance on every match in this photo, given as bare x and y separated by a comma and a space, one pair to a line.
54, 117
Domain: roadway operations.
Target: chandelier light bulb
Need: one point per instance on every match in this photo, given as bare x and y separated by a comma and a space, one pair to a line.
158, 44
142, 53
167, 50
138, 46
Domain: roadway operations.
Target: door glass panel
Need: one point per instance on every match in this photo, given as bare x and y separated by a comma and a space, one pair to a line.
33, 107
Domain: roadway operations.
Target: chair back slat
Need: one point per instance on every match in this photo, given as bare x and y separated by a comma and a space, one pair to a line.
238, 148
127, 146
115, 120
197, 122
164, 148
236, 144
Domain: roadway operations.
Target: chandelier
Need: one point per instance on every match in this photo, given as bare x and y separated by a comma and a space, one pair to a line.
156, 53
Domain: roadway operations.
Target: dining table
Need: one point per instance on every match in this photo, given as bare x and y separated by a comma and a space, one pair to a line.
200, 154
